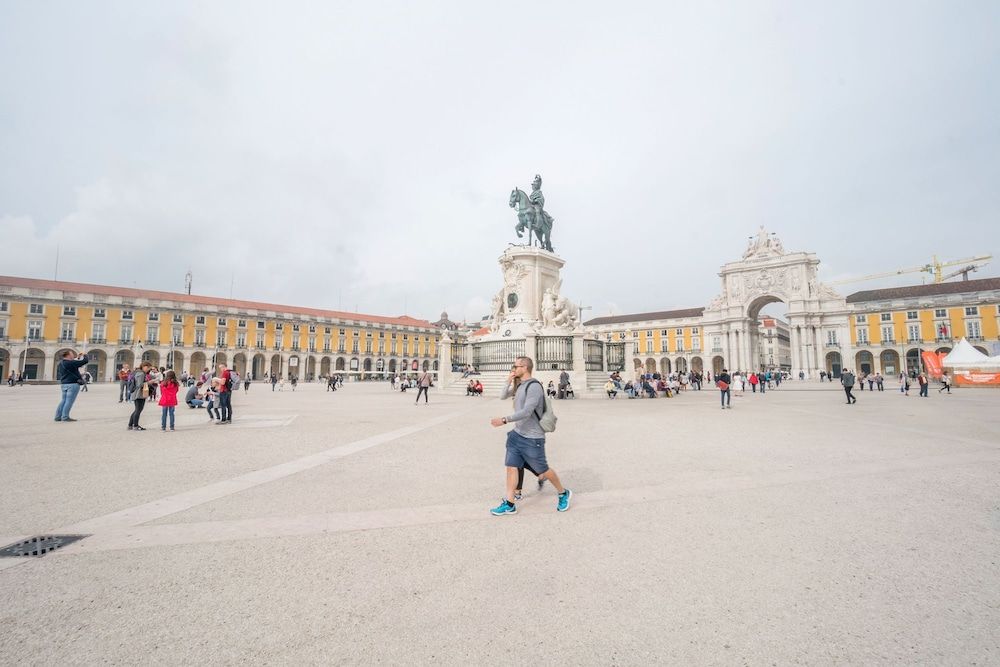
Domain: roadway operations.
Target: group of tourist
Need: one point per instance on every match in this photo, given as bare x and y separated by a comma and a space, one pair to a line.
653, 385
847, 380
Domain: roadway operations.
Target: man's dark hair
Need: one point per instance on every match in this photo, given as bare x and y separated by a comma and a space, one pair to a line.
66, 353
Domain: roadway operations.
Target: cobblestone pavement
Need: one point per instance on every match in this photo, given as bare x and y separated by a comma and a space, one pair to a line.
353, 527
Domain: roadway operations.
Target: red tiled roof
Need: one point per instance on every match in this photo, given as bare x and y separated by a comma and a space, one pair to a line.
646, 317
933, 289
34, 283
480, 332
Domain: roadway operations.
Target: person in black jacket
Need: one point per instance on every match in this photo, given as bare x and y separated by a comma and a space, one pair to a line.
722, 381
68, 374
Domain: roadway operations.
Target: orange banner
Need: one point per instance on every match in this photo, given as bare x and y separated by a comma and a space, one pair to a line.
977, 378
932, 361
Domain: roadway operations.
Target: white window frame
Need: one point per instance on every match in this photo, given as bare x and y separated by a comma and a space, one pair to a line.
35, 325
128, 315
36, 309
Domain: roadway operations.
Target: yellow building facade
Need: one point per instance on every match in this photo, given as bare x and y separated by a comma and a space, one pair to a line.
39, 319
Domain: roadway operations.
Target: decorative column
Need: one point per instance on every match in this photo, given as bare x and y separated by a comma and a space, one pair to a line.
819, 350
794, 340
444, 360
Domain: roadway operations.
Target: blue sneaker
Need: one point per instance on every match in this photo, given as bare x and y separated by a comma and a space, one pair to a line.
505, 507
563, 503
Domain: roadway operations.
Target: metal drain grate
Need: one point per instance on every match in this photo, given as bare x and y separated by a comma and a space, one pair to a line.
38, 545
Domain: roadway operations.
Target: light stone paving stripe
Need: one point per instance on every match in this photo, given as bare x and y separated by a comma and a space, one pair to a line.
180, 502
312, 524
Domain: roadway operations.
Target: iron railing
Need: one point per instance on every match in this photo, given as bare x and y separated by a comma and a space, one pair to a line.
593, 355
498, 355
616, 356
459, 354
554, 353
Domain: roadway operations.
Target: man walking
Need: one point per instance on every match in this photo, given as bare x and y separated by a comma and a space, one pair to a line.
563, 381
423, 385
68, 374
945, 383
924, 384
722, 381
526, 441
847, 379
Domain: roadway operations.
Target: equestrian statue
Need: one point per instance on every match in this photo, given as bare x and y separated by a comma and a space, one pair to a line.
531, 215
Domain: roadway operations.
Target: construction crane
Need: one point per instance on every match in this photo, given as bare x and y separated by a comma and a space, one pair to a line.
934, 268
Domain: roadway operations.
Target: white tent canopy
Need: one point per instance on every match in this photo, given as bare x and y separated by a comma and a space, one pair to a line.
965, 356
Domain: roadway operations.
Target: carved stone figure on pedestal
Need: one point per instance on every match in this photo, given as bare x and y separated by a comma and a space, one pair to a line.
558, 312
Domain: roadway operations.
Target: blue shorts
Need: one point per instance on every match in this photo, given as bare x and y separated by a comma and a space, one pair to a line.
526, 452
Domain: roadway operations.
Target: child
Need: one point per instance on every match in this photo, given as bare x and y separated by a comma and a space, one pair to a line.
168, 398
212, 401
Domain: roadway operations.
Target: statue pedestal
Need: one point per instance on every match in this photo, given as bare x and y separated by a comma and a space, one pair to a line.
517, 308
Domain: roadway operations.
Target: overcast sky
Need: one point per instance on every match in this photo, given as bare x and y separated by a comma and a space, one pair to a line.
361, 155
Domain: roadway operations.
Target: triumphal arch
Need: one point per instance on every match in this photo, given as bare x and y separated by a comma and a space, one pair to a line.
767, 273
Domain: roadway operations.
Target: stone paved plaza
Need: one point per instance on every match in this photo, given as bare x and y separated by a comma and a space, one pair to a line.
354, 528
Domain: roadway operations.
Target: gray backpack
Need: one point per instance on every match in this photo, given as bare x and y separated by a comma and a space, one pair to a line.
548, 419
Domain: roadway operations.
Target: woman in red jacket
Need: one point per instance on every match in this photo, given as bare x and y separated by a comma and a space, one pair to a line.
168, 399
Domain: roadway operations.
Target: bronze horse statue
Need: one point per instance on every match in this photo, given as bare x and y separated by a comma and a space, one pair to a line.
527, 219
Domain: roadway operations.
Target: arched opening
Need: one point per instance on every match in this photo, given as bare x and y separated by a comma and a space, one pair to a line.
436, 363
665, 366
219, 358
175, 360
124, 358
865, 362
152, 356
981, 349
341, 364
310, 368
889, 360
914, 364
681, 365
5, 367
415, 365
392, 366
240, 364
650, 365
97, 365
637, 365
276, 365
198, 364
769, 334
833, 364
324, 367
259, 361
368, 365
32, 363
427, 365
380, 365
697, 365
717, 365
943, 350
294, 366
